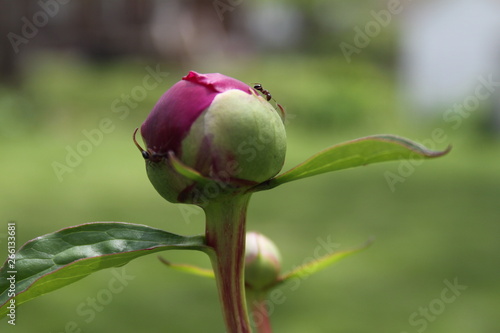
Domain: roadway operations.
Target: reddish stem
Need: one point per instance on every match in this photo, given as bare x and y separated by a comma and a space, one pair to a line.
260, 315
225, 233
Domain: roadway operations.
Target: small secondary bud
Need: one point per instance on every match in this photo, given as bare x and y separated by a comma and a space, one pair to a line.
262, 262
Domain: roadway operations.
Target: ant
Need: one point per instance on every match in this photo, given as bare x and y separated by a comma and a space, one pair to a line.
258, 86
146, 154
265, 92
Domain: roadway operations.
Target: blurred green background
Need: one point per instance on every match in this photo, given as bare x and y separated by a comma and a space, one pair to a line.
440, 222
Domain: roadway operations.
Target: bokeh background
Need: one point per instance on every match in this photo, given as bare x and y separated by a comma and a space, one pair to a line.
426, 70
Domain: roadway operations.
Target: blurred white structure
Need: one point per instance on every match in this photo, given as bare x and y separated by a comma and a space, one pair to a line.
446, 46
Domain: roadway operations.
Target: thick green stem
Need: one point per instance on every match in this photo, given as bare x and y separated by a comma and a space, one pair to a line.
225, 233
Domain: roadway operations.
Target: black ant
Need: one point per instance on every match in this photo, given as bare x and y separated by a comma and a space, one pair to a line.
147, 154
258, 86
265, 92
144, 153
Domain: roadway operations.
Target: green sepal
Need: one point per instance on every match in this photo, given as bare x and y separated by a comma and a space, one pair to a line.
55, 260
190, 269
320, 264
186, 171
359, 152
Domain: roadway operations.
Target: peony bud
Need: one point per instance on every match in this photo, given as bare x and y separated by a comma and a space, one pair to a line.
262, 262
218, 127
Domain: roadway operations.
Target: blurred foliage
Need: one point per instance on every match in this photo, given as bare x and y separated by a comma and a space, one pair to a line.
322, 92
441, 222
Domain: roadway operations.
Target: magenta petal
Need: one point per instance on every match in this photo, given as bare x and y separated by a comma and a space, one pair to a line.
171, 118
216, 82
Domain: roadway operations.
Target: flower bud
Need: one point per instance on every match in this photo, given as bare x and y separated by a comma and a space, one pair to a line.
262, 262
220, 128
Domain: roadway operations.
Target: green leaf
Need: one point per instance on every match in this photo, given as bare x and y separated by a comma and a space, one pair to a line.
321, 263
359, 152
190, 269
55, 260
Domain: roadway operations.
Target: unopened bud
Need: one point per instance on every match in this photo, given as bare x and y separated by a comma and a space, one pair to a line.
262, 262
220, 128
